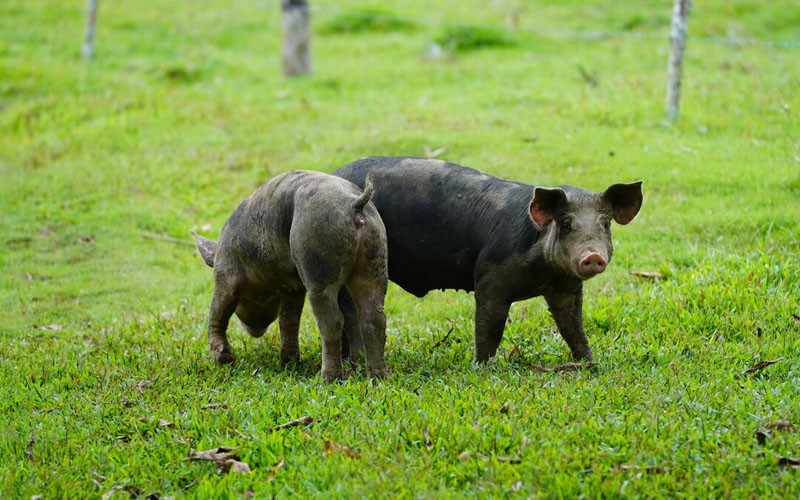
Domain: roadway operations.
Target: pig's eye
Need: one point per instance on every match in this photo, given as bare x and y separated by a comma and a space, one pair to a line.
607, 225
566, 224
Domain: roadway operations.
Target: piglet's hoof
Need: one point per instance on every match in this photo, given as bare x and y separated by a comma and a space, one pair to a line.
378, 372
331, 376
583, 355
223, 356
290, 358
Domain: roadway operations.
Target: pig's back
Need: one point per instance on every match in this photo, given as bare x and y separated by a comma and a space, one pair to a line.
442, 218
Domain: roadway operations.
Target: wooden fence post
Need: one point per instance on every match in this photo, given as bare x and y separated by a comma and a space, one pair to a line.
296, 29
91, 23
677, 42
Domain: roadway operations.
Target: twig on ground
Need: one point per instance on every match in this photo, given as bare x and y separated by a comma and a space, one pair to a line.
443, 339
167, 238
300, 421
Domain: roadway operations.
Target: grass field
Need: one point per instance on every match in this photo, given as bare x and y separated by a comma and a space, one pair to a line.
184, 112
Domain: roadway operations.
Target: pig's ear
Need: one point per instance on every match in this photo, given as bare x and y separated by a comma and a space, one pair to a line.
625, 200
546, 203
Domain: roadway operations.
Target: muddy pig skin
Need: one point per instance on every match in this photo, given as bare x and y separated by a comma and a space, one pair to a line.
452, 227
301, 232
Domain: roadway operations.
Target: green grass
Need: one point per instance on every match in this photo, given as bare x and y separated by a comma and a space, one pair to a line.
464, 37
184, 112
366, 19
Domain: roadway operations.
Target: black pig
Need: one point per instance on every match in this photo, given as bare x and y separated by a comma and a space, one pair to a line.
301, 231
452, 227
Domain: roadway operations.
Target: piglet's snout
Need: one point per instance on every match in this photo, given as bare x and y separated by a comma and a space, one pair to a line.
592, 264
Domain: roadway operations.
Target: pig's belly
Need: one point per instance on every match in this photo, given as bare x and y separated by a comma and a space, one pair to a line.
419, 276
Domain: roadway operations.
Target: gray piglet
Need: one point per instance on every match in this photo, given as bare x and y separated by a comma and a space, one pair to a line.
302, 232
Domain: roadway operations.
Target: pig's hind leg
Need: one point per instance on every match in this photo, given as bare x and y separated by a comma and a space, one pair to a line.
368, 295
324, 303
352, 341
289, 320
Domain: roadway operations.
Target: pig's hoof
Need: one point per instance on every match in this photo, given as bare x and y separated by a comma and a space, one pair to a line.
583, 356
290, 358
356, 358
331, 376
224, 357
378, 372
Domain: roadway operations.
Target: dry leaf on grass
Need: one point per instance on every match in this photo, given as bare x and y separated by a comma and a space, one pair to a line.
110, 493
796, 318
566, 367
300, 421
653, 469
783, 425
332, 448
427, 437
214, 406
762, 365
524, 443
220, 454
510, 460
464, 456
233, 465
161, 422
275, 468
651, 275
504, 408
53, 327
762, 436
144, 384
29, 449
794, 463
225, 458
132, 490
513, 352
249, 494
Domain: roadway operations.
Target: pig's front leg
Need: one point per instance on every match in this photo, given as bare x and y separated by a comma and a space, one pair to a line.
567, 311
491, 313
289, 320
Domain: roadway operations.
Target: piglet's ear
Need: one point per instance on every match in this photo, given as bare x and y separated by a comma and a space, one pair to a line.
625, 200
546, 203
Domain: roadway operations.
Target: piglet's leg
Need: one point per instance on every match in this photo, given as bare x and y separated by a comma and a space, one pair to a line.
325, 305
567, 311
369, 296
490, 318
289, 320
223, 304
352, 341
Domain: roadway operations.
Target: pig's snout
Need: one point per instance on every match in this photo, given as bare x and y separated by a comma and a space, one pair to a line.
591, 265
